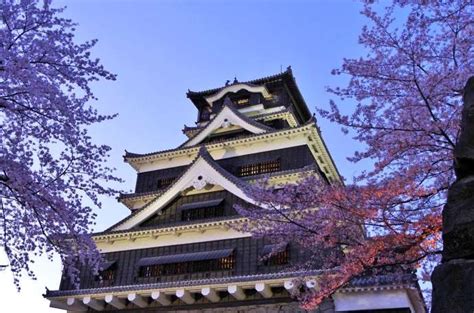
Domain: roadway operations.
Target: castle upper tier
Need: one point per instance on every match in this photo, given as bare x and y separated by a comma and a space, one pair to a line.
177, 250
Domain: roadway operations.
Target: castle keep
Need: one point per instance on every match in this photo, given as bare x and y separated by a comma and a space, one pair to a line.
177, 250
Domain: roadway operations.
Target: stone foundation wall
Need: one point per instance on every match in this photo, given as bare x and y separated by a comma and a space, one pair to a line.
292, 307
453, 280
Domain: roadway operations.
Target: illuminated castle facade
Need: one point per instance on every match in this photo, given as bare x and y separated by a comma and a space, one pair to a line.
177, 252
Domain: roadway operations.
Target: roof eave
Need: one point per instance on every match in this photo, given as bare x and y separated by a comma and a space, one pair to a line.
198, 96
136, 158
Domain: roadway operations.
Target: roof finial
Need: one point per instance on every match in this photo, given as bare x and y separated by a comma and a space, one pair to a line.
227, 83
235, 80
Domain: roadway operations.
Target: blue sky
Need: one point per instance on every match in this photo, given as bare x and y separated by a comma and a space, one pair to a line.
159, 49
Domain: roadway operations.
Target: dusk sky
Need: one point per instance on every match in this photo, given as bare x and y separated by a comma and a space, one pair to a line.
159, 49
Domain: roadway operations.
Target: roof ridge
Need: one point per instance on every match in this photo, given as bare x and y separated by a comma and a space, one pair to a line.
246, 118
139, 155
260, 80
159, 195
187, 128
228, 104
204, 153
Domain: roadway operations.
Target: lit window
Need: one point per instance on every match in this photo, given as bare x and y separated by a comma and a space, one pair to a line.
107, 273
188, 263
279, 256
259, 168
243, 101
225, 263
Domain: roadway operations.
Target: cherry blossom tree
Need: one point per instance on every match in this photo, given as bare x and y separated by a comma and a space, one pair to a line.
408, 92
49, 165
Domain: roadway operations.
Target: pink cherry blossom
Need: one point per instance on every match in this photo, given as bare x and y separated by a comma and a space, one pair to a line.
408, 88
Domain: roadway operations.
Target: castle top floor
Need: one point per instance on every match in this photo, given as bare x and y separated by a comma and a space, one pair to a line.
267, 93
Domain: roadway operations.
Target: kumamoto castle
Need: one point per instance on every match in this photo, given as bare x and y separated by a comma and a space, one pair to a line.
177, 250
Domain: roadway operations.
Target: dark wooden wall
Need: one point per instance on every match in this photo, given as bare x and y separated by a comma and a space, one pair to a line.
171, 214
247, 251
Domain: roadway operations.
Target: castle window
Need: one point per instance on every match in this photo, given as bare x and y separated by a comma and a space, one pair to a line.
279, 255
226, 263
187, 263
107, 272
243, 101
202, 210
260, 168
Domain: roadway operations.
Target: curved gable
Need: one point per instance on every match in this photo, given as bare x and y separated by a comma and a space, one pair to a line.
204, 171
226, 117
236, 88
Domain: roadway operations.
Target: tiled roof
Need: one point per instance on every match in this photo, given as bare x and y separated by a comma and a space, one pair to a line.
381, 280
253, 117
138, 194
182, 283
263, 115
250, 120
208, 158
168, 225
240, 182
155, 193
273, 248
131, 155
287, 76
107, 264
145, 206
204, 154
257, 81
186, 127
201, 204
185, 257
384, 280
228, 104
